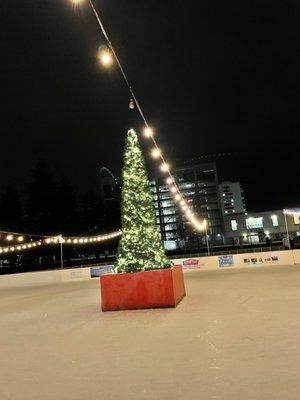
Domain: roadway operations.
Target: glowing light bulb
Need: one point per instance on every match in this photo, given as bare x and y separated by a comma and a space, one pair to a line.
9, 238
156, 153
169, 181
148, 132
177, 197
105, 57
165, 167
77, 2
173, 189
20, 238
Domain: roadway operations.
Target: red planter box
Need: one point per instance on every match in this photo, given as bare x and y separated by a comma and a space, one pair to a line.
137, 290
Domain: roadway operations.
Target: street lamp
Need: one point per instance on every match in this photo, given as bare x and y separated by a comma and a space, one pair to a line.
61, 241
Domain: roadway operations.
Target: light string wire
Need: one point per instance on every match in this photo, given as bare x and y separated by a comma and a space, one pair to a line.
69, 240
173, 186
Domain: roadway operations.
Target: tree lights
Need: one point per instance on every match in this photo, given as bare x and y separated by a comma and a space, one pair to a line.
140, 248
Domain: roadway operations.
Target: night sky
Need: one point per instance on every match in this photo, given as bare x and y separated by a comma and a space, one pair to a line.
213, 76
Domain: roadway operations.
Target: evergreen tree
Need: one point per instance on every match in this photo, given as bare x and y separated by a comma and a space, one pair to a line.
65, 218
140, 247
11, 210
41, 199
89, 211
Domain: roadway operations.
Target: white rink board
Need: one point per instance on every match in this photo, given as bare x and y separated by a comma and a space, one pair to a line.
44, 277
288, 257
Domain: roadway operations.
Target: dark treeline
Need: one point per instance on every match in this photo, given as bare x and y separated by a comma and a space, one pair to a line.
50, 206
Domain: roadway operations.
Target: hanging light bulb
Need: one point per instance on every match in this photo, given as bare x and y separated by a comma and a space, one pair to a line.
148, 132
156, 153
165, 167
131, 104
169, 181
105, 57
177, 197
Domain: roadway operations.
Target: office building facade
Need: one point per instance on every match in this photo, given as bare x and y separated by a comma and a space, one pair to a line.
254, 228
199, 185
232, 198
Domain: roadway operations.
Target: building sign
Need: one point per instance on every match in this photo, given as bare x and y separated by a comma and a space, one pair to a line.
101, 270
226, 261
267, 259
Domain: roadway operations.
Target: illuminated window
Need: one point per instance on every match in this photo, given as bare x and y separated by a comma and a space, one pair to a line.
167, 203
169, 211
170, 245
234, 225
169, 219
254, 223
274, 219
187, 185
297, 219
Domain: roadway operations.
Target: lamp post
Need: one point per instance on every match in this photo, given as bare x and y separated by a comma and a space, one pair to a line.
61, 240
205, 224
287, 228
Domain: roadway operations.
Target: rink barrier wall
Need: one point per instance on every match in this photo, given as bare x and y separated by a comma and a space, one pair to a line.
244, 260
44, 277
236, 261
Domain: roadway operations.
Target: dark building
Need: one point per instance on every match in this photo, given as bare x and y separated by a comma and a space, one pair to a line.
198, 183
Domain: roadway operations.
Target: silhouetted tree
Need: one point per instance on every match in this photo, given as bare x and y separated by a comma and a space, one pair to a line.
89, 210
11, 210
65, 217
41, 200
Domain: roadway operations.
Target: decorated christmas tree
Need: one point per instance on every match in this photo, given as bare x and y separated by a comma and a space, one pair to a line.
140, 247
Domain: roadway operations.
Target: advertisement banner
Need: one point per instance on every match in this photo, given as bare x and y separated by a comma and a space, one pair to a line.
189, 263
226, 261
261, 260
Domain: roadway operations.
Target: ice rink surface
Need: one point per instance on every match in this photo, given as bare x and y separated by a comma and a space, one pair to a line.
236, 336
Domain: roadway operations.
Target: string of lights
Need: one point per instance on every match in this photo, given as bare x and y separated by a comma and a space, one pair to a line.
106, 57
68, 240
